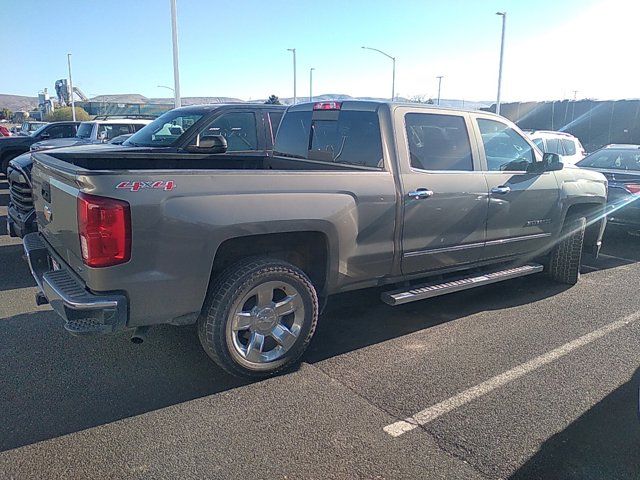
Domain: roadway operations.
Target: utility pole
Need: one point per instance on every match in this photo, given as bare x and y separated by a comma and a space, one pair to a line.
440, 77
73, 103
295, 97
504, 22
311, 84
176, 73
575, 95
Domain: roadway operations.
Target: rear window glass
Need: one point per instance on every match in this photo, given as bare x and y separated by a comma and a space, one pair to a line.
350, 137
569, 146
438, 142
612, 159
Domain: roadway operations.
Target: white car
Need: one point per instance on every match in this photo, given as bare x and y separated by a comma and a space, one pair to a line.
564, 144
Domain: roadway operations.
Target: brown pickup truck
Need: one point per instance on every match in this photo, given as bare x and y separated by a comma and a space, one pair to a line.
249, 246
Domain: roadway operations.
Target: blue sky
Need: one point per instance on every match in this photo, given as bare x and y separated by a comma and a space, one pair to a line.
238, 48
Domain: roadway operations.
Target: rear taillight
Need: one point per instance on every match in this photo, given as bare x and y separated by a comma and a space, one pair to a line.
104, 226
633, 188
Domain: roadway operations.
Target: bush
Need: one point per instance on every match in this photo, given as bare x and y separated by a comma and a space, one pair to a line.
65, 113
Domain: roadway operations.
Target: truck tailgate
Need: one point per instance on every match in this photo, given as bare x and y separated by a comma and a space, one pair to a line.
55, 195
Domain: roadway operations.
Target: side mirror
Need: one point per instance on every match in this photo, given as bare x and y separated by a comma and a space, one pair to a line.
208, 144
550, 163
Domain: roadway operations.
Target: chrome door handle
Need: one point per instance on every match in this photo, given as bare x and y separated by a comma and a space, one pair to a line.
501, 190
420, 193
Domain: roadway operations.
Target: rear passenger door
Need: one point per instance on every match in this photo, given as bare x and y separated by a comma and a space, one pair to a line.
523, 207
444, 192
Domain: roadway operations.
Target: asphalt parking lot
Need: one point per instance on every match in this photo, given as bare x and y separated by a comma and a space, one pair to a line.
523, 379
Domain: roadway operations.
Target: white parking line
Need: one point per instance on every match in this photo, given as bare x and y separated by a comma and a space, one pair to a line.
603, 255
429, 414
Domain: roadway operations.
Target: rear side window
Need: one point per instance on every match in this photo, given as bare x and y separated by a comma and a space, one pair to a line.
569, 146
438, 142
347, 136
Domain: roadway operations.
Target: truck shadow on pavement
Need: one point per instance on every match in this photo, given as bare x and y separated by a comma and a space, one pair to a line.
14, 272
603, 443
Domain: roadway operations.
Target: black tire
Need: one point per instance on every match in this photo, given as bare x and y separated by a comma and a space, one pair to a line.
233, 285
566, 256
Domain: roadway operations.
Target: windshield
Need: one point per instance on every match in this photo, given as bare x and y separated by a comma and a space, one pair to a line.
613, 160
84, 130
164, 130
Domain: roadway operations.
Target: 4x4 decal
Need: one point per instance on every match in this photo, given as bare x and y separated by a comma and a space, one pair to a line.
137, 186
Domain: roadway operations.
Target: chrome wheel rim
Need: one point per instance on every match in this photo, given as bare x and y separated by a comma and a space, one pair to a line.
265, 323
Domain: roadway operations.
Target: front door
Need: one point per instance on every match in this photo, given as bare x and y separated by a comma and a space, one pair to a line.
523, 207
444, 193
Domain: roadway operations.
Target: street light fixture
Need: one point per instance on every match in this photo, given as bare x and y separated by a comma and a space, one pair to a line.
295, 98
311, 84
504, 21
172, 89
440, 77
393, 78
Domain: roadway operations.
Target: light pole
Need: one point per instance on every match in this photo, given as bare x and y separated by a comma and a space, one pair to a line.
393, 78
311, 84
73, 103
439, 77
176, 73
295, 97
504, 22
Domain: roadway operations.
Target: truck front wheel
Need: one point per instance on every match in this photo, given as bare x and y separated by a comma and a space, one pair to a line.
259, 317
566, 256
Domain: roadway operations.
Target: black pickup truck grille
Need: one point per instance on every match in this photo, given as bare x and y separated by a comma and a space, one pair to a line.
19, 191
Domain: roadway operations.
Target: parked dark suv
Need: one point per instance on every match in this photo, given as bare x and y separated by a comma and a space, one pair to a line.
11, 147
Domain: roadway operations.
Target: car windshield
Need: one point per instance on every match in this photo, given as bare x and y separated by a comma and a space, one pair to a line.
164, 130
613, 159
84, 130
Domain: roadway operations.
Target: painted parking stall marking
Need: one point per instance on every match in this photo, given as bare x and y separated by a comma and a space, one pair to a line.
429, 414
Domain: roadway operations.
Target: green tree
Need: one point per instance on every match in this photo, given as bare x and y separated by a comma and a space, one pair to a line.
273, 100
65, 113
6, 114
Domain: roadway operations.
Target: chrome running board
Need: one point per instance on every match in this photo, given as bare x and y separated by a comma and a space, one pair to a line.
429, 290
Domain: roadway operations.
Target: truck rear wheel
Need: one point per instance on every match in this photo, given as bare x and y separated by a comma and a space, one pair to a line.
259, 317
566, 257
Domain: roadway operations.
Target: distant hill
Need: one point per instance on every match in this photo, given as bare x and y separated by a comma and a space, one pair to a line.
17, 103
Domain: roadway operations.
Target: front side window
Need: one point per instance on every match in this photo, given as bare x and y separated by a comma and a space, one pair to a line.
504, 148
164, 130
540, 143
274, 120
438, 142
84, 130
554, 146
61, 131
109, 131
238, 128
